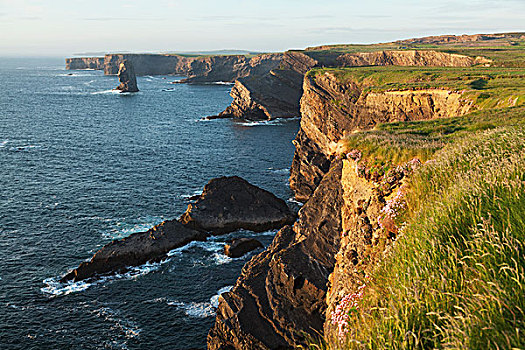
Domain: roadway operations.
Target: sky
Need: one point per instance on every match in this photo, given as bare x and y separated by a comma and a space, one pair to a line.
69, 27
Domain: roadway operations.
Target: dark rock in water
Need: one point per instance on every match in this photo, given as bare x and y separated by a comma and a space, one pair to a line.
232, 203
281, 293
136, 249
241, 246
127, 78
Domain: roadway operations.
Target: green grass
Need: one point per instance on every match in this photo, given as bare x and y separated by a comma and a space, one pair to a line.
500, 82
456, 277
508, 52
399, 142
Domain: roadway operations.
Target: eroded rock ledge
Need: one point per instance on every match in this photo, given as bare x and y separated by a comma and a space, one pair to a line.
226, 204
280, 295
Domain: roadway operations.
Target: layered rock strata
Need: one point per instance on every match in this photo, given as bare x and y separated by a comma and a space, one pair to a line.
231, 203
280, 296
96, 63
330, 109
230, 68
127, 78
148, 64
407, 58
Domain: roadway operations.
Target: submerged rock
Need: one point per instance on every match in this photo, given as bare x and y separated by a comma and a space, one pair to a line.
127, 78
241, 246
136, 249
232, 203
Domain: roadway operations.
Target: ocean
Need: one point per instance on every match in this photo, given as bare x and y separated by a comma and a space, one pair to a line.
80, 166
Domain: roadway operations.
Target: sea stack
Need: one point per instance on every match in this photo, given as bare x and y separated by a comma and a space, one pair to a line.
127, 78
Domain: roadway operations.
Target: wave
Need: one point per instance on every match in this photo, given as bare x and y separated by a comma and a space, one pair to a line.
129, 328
74, 75
112, 91
122, 228
279, 171
200, 309
190, 195
53, 287
3, 143
293, 200
273, 122
23, 148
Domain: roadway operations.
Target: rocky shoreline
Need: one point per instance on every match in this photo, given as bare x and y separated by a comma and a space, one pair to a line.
227, 204
284, 294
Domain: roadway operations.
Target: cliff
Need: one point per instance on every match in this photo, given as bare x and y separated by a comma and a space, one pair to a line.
280, 295
270, 93
96, 63
230, 68
331, 108
148, 64
407, 58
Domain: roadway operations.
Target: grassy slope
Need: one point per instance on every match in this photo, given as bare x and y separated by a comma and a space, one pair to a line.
488, 87
456, 275
508, 52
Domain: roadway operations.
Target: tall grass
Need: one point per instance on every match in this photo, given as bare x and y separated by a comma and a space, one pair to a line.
456, 276
399, 142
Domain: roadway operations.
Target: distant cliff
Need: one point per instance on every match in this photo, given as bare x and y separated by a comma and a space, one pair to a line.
96, 63
145, 64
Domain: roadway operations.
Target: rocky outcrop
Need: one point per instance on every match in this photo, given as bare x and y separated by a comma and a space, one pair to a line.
331, 108
407, 58
280, 295
127, 78
96, 63
270, 94
239, 247
135, 250
232, 203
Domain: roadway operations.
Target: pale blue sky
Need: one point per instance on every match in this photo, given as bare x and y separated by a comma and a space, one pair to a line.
65, 27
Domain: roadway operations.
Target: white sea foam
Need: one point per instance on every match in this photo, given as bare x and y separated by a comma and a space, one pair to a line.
279, 171
112, 91
23, 148
293, 200
279, 121
3, 143
129, 328
200, 309
53, 286
123, 228
194, 193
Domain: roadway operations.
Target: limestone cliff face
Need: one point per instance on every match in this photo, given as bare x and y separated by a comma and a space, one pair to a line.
330, 108
281, 292
96, 63
230, 68
270, 91
407, 58
148, 64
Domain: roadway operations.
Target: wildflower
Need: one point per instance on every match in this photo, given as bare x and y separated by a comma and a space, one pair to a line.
355, 154
348, 305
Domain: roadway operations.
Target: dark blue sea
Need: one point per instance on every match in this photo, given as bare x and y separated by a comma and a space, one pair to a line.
80, 166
